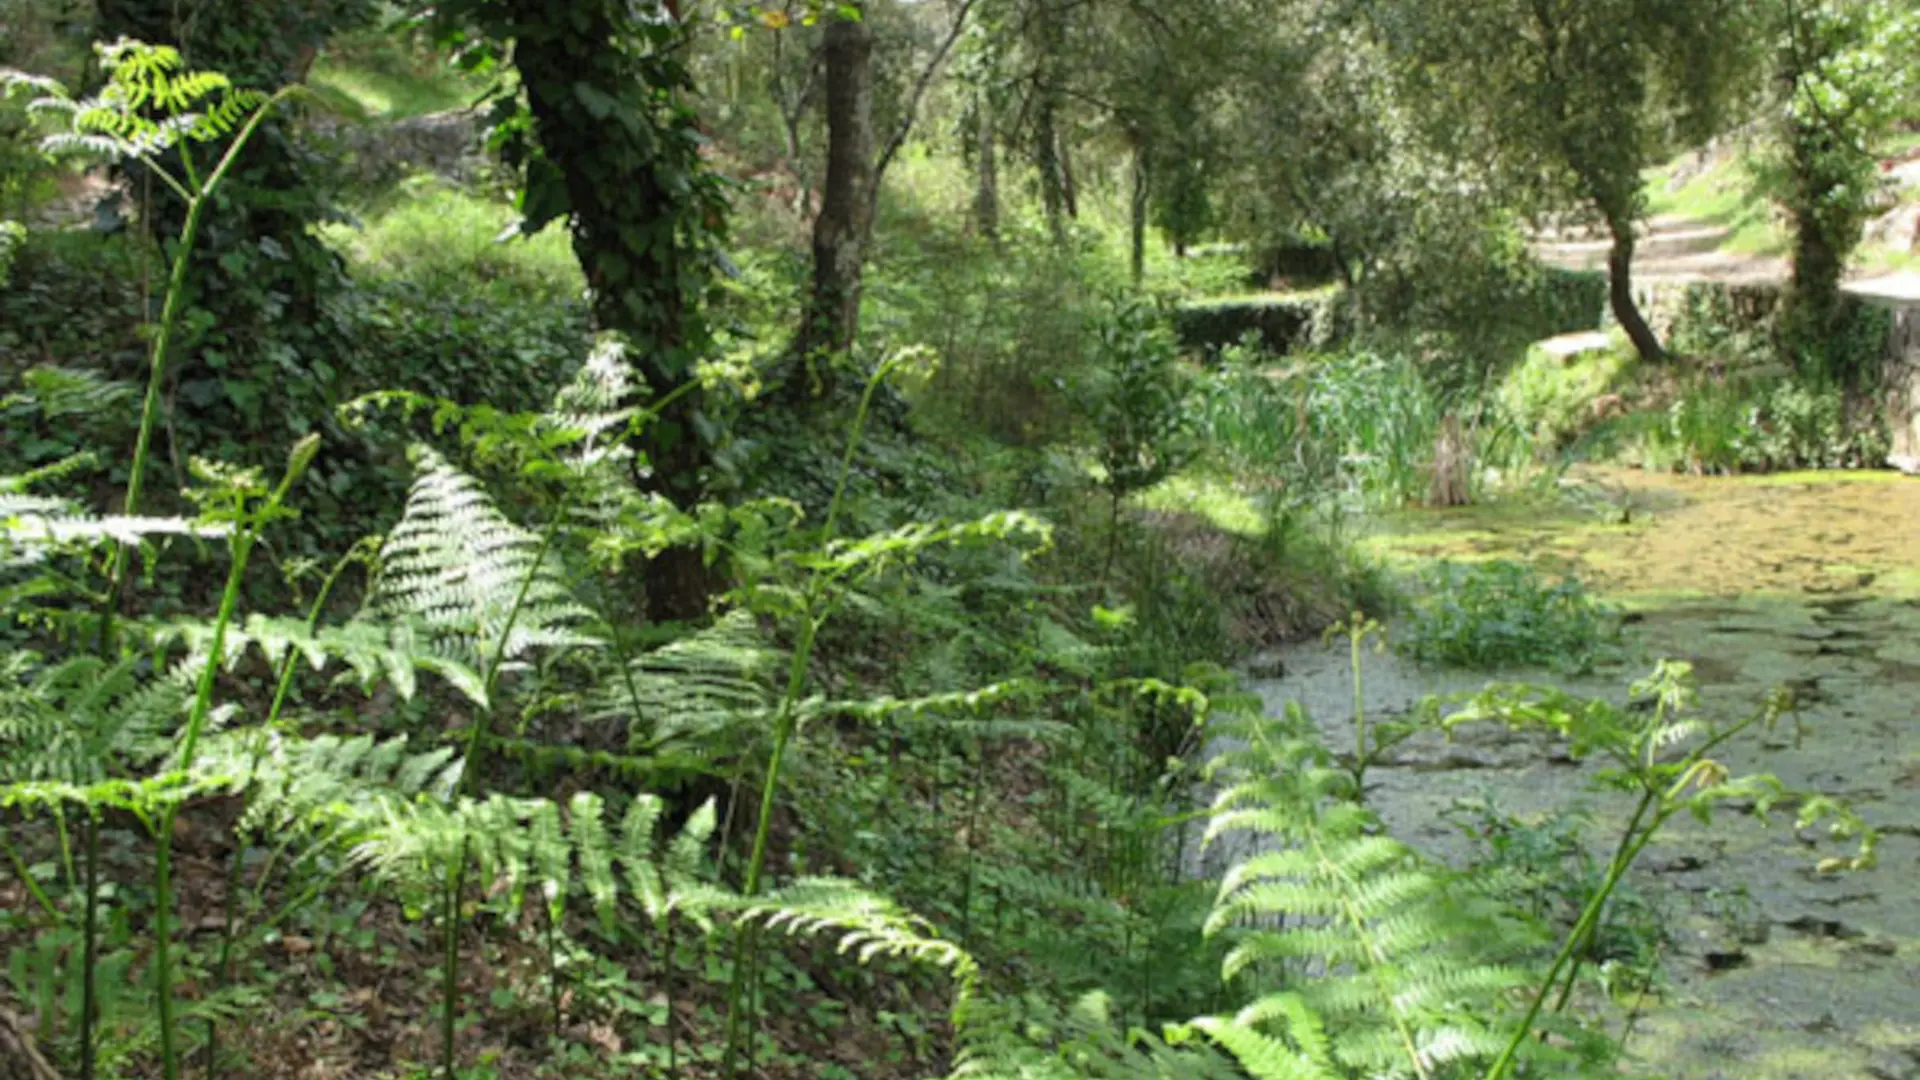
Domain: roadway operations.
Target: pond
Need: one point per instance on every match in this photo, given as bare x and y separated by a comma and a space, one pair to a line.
1807, 580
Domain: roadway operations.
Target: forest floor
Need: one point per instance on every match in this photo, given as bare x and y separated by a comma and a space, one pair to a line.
1809, 580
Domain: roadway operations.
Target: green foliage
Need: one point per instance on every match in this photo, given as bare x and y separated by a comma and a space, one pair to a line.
1135, 394
392, 76
1500, 614
447, 242
1035, 1040
1357, 426
1364, 959
1755, 423
1546, 868
1843, 69
1280, 323
1552, 398
12, 235
1012, 325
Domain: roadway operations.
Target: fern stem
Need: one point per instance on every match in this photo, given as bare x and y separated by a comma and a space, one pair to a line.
788, 714
1589, 916
450, 960
663, 943
243, 543
1378, 960
90, 945
20, 871
470, 765
1360, 752
554, 913
235, 874
1584, 945
163, 847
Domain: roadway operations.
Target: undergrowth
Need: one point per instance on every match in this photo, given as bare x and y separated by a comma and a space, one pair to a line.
1489, 615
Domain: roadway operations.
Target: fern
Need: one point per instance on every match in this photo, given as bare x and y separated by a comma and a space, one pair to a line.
1030, 1039
689, 690
478, 584
1393, 970
869, 925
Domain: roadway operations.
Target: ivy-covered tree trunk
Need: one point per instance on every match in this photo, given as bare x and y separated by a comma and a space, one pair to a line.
1626, 311
614, 147
840, 231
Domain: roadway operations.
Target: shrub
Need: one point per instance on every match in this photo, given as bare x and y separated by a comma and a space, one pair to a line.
1012, 326
1552, 396
1280, 322
75, 304
1558, 301
1757, 424
1505, 614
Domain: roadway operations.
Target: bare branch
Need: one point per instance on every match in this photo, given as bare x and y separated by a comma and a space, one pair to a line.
920, 85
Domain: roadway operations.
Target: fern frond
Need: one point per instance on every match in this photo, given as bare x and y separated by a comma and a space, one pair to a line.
469, 576
869, 925
1389, 951
690, 689
1270, 1057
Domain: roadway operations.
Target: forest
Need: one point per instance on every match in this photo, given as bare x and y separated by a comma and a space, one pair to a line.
974, 539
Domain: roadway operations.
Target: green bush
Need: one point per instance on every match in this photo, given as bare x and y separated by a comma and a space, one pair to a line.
1756, 424
1280, 322
1012, 326
76, 304
1502, 614
1552, 398
1557, 301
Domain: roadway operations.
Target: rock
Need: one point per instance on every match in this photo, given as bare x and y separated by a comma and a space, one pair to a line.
1897, 229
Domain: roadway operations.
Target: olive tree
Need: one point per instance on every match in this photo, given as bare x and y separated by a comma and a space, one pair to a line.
1571, 100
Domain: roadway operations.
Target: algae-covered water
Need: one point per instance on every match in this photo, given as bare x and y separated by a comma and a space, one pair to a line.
1808, 580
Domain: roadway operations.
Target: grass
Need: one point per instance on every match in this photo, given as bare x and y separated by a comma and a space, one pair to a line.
436, 233
1217, 500
1723, 195
388, 81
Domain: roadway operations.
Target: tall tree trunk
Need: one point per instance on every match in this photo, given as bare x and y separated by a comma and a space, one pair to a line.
1137, 249
840, 231
613, 124
1620, 290
986, 193
1046, 161
1069, 187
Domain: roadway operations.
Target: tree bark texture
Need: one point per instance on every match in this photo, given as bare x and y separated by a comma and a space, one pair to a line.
622, 148
986, 176
1137, 249
840, 230
1626, 311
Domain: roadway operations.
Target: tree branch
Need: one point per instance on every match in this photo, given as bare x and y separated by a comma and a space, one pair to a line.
920, 85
